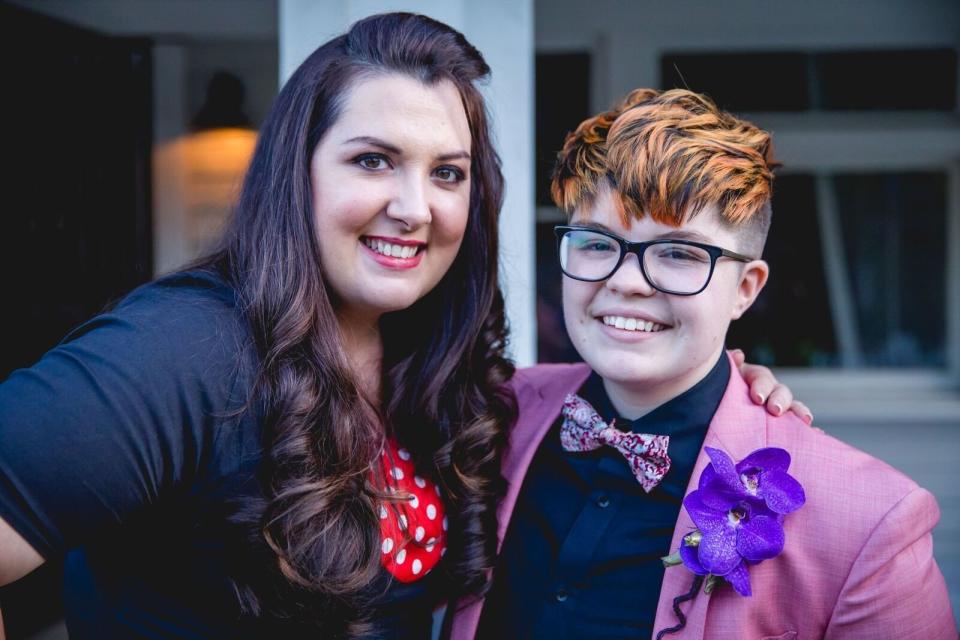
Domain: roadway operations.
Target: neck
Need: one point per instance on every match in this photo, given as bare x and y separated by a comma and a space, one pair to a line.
364, 350
635, 399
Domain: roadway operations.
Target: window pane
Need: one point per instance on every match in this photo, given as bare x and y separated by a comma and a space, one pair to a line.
552, 342
562, 101
894, 232
893, 80
790, 323
922, 79
722, 76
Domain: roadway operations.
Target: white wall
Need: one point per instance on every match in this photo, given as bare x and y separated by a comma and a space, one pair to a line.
503, 31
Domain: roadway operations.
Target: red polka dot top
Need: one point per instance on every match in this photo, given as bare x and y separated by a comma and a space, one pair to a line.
413, 533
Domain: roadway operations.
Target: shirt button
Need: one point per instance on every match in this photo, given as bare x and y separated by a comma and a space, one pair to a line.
561, 595
603, 502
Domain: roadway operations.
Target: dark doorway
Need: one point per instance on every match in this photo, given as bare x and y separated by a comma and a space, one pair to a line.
75, 232
77, 134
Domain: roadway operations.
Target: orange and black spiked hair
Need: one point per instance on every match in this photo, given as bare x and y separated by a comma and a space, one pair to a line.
669, 155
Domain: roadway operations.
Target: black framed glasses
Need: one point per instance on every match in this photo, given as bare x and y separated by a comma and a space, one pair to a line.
678, 267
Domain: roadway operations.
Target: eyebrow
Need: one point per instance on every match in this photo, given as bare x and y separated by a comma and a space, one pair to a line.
673, 234
389, 148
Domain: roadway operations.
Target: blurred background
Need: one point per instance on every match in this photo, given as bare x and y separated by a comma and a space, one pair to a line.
127, 125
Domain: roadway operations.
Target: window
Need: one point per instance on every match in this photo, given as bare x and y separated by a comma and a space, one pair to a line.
893, 80
563, 101
858, 273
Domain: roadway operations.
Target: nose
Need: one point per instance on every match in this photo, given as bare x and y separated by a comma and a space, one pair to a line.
410, 204
628, 279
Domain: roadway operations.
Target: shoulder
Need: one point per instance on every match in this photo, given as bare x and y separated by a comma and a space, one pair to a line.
186, 298
540, 391
178, 342
547, 380
848, 490
828, 460
183, 313
861, 548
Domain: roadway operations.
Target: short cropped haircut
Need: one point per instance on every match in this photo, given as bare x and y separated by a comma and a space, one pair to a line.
669, 155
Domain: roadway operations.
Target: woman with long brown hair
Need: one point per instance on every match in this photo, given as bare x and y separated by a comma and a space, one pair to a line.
223, 430
285, 439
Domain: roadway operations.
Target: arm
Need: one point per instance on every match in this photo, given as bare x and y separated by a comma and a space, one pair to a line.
110, 422
895, 588
17, 559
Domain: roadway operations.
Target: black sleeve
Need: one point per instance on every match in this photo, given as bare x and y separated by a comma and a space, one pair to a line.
121, 412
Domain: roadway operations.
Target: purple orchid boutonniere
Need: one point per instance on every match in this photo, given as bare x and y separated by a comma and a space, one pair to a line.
738, 510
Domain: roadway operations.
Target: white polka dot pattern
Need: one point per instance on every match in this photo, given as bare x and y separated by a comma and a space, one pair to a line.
413, 528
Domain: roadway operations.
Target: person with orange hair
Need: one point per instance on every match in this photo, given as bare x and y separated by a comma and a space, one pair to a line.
652, 454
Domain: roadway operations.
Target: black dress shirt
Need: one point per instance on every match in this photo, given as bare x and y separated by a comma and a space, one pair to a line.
581, 558
126, 449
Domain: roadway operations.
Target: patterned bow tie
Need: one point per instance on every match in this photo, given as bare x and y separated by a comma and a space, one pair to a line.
584, 430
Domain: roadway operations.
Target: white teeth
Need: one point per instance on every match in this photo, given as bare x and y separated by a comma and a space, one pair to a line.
392, 250
632, 324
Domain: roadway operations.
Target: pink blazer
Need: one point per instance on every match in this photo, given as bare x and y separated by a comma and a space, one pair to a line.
858, 562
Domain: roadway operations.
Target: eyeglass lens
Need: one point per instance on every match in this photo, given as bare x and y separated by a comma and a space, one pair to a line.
675, 267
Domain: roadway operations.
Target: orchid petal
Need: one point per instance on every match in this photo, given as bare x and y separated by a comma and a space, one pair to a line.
719, 496
706, 518
767, 459
739, 577
690, 559
707, 477
718, 550
781, 491
724, 467
760, 538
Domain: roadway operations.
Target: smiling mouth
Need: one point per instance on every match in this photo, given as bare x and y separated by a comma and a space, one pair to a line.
632, 324
393, 249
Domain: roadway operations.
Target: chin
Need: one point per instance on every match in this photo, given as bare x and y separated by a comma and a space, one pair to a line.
632, 375
399, 303
630, 364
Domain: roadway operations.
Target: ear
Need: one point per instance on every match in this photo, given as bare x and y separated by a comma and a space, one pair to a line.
752, 280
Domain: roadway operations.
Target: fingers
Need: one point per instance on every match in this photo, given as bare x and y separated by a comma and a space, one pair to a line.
802, 411
765, 390
738, 358
760, 380
779, 400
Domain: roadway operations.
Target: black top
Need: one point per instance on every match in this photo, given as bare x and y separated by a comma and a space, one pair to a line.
128, 449
581, 558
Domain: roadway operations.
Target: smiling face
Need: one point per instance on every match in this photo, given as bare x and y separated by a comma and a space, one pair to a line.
390, 184
650, 346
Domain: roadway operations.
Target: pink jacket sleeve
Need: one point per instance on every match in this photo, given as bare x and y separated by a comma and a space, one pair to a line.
895, 589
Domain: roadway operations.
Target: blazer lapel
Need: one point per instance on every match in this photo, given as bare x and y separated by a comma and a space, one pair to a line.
540, 399
738, 427
540, 392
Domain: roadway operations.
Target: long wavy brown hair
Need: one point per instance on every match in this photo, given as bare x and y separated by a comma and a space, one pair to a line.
444, 370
